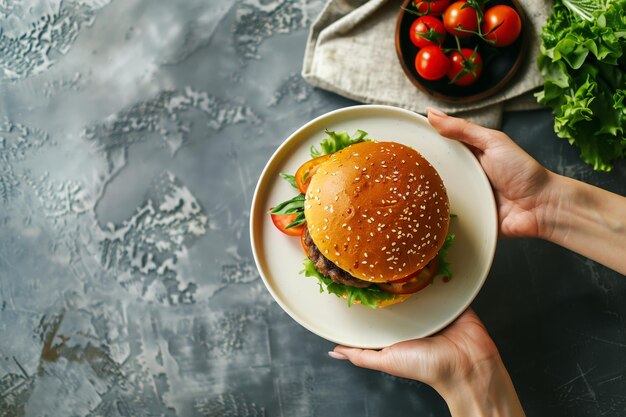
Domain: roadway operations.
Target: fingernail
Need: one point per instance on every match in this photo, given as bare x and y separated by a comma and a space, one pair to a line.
337, 355
436, 112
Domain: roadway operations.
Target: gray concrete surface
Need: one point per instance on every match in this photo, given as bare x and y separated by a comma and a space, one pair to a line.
132, 134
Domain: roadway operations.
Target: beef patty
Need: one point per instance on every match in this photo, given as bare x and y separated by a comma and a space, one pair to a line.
329, 269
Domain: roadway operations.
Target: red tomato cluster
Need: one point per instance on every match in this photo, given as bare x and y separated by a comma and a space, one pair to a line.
500, 26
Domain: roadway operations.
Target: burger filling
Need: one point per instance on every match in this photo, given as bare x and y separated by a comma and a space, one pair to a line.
408, 285
327, 268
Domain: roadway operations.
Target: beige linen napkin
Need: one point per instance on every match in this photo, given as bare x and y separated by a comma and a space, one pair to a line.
351, 52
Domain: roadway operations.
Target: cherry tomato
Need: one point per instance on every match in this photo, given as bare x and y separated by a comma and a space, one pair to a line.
431, 7
281, 221
427, 30
306, 171
465, 69
501, 25
459, 18
431, 63
414, 282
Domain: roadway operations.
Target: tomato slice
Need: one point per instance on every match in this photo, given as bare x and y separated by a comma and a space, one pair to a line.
304, 248
407, 278
414, 282
307, 170
281, 221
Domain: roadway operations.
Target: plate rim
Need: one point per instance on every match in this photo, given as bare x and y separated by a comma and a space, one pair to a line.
289, 141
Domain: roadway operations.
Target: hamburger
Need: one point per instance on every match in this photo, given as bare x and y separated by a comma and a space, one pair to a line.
374, 222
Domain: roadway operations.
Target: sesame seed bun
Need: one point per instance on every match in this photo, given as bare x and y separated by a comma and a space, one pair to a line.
377, 210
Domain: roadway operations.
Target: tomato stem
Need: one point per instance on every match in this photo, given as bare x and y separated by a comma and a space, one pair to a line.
469, 66
413, 12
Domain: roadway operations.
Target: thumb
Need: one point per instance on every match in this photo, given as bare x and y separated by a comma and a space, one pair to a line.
377, 360
460, 129
404, 359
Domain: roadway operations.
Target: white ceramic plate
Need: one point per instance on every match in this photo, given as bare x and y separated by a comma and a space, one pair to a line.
279, 257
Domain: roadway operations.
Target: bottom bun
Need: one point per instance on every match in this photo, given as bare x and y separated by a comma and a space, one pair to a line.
386, 303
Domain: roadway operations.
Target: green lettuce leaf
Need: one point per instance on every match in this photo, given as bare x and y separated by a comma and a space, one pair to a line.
444, 264
369, 296
583, 64
336, 141
291, 179
293, 205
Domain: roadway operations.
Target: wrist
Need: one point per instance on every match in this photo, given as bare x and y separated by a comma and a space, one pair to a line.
486, 391
585, 219
552, 207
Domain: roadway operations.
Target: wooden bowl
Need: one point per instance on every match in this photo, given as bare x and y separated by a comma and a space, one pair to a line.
499, 64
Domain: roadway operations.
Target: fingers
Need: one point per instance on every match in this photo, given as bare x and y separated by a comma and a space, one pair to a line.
363, 358
404, 359
460, 129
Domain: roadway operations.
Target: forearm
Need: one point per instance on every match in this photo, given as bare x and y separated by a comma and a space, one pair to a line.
587, 220
487, 392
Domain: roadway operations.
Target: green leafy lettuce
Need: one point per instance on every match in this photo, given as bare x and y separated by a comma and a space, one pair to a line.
583, 63
369, 296
291, 206
336, 141
444, 264
291, 179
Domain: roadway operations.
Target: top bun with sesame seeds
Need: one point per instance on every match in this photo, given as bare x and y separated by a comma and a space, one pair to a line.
377, 210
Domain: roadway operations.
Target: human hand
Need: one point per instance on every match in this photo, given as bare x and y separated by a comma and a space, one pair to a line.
519, 182
461, 362
448, 356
